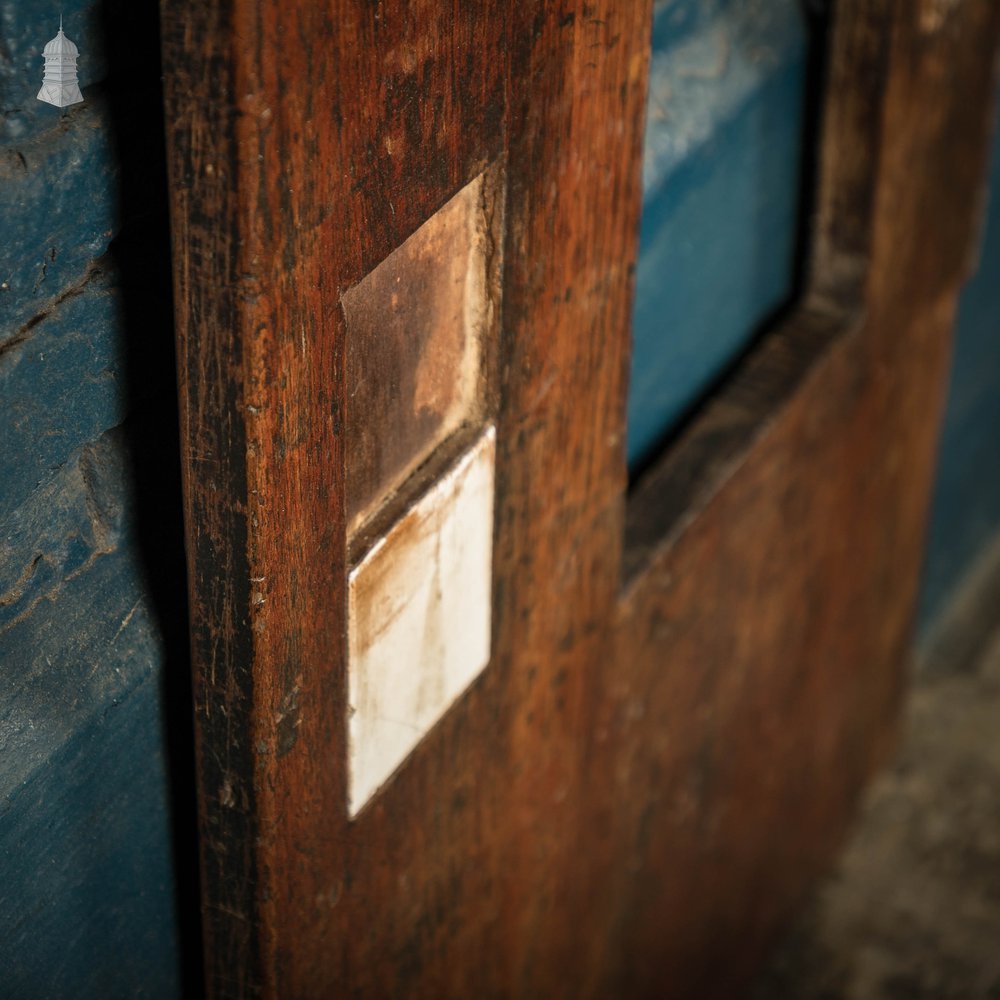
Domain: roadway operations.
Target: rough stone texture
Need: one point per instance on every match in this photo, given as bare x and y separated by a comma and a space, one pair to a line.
59, 205
87, 886
61, 386
69, 653
92, 623
913, 909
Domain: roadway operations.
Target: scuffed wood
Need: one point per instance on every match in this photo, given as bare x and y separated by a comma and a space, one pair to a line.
302, 152
209, 295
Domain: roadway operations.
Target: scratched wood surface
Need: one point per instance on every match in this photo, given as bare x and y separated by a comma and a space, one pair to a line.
648, 773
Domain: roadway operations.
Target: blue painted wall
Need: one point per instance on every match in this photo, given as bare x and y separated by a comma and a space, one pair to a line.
94, 831
722, 189
966, 509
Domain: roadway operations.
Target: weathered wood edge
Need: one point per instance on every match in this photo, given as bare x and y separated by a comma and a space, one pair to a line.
266, 237
202, 148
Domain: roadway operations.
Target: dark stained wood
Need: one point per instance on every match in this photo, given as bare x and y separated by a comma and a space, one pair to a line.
302, 151
578, 90
857, 65
203, 153
643, 779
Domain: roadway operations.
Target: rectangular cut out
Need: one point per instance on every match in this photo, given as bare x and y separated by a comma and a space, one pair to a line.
419, 619
416, 362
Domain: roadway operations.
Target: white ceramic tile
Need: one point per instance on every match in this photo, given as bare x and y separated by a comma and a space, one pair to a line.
419, 619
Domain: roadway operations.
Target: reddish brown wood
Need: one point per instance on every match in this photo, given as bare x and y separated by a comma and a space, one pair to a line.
643, 780
304, 148
761, 649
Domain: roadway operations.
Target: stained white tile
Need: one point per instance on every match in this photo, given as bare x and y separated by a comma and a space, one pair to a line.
419, 619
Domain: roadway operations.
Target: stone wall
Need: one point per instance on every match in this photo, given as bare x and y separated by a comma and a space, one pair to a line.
93, 699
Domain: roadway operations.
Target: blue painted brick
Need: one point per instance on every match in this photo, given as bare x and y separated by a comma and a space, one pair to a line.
86, 882
61, 386
76, 629
87, 904
86, 887
65, 525
59, 206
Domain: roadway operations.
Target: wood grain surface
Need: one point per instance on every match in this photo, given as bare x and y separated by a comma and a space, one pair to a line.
633, 794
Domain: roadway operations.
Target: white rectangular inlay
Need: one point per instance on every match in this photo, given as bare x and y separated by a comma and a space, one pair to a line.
419, 619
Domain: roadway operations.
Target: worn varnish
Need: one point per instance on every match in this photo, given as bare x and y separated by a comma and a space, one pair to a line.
303, 150
649, 773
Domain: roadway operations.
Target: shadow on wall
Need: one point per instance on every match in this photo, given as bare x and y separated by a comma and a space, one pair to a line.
98, 846
141, 254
